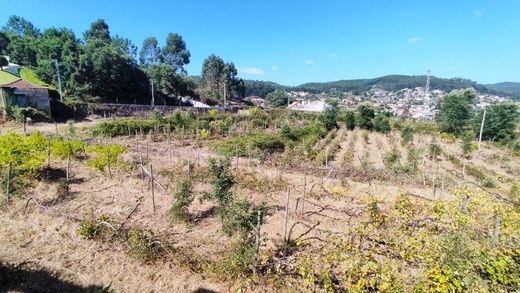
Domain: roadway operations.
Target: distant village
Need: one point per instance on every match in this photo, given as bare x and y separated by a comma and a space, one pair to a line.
414, 103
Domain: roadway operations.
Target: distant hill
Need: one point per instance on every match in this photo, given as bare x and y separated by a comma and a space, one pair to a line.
262, 88
511, 88
394, 83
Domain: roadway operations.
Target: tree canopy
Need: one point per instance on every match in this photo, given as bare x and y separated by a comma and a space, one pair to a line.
502, 120
100, 66
456, 111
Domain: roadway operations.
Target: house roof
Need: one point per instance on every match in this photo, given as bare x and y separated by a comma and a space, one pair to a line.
20, 83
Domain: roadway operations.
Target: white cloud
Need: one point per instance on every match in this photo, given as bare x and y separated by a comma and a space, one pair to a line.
415, 39
274, 67
252, 70
333, 55
478, 13
309, 61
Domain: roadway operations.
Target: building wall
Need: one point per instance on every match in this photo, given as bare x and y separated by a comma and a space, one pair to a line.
37, 98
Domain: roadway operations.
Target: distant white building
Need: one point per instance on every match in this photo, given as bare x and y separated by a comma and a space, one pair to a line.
309, 106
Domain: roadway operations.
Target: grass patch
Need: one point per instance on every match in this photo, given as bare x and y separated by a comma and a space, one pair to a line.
7, 77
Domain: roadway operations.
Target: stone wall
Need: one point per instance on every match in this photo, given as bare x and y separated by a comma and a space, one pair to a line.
126, 110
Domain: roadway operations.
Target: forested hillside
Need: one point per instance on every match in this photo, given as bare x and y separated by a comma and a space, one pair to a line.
511, 88
393, 83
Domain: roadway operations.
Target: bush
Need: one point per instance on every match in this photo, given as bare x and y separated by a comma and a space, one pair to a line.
407, 133
382, 124
350, 120
256, 143
62, 148
182, 199
143, 246
107, 155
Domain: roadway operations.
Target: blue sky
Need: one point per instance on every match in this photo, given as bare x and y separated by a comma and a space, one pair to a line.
292, 42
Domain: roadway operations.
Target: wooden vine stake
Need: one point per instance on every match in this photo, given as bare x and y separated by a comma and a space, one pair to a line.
304, 191
286, 214
108, 165
257, 236
49, 153
153, 189
68, 167
141, 161
169, 143
8, 183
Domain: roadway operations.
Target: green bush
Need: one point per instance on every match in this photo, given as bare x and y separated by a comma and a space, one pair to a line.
106, 155
144, 246
182, 199
259, 143
62, 148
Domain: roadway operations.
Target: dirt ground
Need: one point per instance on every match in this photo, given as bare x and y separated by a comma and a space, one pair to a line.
45, 237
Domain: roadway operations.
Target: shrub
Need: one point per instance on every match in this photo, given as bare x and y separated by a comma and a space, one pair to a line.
382, 124
392, 159
62, 148
256, 142
366, 113
23, 152
238, 261
350, 120
407, 133
107, 155
182, 198
143, 245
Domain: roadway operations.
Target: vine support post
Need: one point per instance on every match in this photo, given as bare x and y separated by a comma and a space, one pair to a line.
49, 153
169, 143
142, 165
286, 214
153, 189
304, 191
136, 141
481, 130
68, 168
257, 236
8, 183
189, 167
108, 165
147, 151
24, 125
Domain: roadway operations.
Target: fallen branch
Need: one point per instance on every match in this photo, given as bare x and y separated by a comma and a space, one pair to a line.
154, 179
129, 215
36, 202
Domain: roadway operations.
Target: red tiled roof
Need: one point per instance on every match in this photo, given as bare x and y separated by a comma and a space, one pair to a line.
23, 84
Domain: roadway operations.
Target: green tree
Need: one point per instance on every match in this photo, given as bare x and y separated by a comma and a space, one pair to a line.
21, 27
150, 53
212, 68
3, 62
277, 98
330, 116
366, 114
4, 43
98, 32
175, 52
456, 111
60, 44
350, 120
502, 120
216, 74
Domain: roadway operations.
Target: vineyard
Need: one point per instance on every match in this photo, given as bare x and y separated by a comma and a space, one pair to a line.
258, 201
